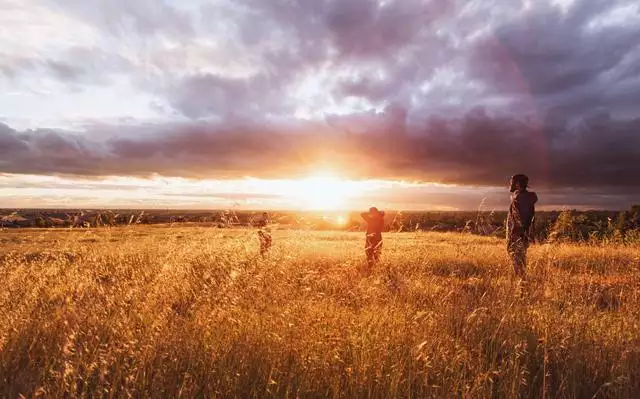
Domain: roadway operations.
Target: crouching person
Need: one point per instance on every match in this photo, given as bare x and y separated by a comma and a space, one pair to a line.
264, 234
373, 242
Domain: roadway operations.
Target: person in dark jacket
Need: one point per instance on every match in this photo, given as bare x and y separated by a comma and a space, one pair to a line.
520, 222
373, 242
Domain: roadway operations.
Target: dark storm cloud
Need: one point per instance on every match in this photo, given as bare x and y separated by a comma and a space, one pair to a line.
46, 151
475, 150
364, 37
542, 60
497, 199
368, 29
290, 40
355, 28
473, 92
10, 144
519, 62
564, 61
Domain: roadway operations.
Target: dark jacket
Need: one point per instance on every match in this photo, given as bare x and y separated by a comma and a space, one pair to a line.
521, 213
375, 224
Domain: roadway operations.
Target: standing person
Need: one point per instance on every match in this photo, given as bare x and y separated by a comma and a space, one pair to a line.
373, 242
520, 223
264, 234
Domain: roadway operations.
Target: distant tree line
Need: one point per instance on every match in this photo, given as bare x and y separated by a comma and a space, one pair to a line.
574, 226
555, 226
566, 225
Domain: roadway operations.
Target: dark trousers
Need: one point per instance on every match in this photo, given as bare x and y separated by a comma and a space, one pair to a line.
373, 247
517, 246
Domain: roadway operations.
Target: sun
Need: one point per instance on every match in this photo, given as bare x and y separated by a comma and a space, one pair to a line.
322, 192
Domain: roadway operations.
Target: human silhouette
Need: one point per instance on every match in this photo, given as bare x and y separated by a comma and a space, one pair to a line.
373, 243
264, 234
520, 221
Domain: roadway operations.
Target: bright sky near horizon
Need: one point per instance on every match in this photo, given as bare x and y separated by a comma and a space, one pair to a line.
318, 104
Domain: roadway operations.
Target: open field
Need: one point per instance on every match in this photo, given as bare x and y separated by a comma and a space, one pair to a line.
191, 311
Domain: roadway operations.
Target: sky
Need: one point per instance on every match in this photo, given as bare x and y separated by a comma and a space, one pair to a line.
314, 104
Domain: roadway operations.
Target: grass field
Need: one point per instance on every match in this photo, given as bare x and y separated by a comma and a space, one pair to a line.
195, 312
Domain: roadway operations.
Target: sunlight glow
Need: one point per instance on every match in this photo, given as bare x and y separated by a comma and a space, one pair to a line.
322, 192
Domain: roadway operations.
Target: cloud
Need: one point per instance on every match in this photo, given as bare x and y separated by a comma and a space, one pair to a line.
10, 143
124, 18
561, 60
432, 57
454, 92
208, 94
11, 66
477, 149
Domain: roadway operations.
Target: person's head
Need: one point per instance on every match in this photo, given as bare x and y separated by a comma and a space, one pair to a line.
519, 182
375, 212
265, 215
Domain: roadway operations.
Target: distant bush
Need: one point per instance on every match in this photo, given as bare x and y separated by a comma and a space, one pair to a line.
40, 222
568, 227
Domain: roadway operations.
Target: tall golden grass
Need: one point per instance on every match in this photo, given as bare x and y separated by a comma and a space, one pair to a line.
196, 312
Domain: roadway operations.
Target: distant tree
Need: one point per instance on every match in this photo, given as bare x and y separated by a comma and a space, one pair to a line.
635, 217
570, 226
40, 222
622, 222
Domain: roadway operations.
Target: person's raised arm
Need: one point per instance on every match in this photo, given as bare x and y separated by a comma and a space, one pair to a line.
366, 216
